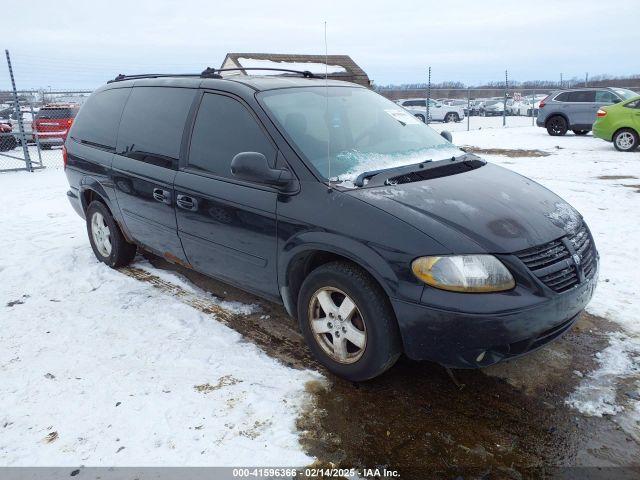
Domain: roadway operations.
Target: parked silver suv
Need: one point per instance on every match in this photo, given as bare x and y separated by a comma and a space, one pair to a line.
576, 109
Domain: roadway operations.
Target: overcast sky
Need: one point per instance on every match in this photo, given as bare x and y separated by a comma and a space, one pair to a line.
81, 44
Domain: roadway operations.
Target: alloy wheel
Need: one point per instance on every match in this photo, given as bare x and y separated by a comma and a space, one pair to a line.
337, 325
625, 141
101, 234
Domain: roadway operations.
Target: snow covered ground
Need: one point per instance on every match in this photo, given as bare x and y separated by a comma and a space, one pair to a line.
93, 361
97, 368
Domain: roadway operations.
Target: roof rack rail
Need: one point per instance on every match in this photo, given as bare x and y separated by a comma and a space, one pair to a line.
213, 71
208, 73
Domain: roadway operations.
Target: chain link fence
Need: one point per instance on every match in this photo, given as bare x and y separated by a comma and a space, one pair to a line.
459, 109
34, 128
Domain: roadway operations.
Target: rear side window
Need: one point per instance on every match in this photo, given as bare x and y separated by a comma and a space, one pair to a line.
224, 128
582, 96
98, 119
563, 97
604, 96
415, 103
635, 104
153, 123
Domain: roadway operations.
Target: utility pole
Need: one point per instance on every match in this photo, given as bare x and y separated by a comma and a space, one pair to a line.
561, 80
428, 96
586, 79
18, 113
504, 107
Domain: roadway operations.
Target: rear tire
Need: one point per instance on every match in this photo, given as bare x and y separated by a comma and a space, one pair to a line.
371, 322
626, 140
7, 142
420, 117
557, 126
107, 241
580, 132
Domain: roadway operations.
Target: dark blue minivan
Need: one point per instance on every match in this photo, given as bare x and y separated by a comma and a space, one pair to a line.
375, 232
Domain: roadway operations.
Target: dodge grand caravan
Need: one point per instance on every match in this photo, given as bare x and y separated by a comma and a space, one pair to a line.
376, 233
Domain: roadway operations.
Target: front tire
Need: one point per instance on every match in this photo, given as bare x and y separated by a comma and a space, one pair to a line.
451, 117
107, 241
348, 322
557, 126
626, 140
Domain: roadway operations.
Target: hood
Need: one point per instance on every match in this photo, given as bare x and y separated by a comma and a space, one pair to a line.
489, 209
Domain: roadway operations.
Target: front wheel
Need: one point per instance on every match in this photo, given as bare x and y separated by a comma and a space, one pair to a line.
625, 140
347, 321
107, 241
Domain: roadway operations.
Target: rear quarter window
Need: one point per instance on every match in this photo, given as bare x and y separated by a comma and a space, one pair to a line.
153, 123
98, 119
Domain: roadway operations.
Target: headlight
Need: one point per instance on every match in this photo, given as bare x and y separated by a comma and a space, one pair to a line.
464, 273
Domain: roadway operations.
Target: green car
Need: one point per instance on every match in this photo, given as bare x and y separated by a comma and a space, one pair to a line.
620, 124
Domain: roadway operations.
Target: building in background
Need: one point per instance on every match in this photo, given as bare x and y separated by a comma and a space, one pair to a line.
339, 67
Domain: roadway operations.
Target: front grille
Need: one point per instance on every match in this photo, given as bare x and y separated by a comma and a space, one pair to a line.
564, 263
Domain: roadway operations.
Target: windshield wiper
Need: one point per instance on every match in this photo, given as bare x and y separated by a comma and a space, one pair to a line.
359, 182
434, 169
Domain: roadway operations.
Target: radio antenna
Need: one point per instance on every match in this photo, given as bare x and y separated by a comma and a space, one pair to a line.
326, 87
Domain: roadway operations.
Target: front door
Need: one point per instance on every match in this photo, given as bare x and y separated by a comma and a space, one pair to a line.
227, 227
146, 163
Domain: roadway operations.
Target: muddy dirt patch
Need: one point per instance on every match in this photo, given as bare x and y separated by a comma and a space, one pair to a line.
506, 152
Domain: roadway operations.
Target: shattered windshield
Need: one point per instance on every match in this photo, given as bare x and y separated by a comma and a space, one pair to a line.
345, 131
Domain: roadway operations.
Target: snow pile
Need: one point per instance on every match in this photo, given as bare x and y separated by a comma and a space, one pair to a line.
98, 368
300, 66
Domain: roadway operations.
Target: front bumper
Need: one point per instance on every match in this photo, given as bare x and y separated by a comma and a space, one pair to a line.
467, 340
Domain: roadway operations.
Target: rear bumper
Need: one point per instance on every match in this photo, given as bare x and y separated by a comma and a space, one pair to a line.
599, 132
74, 200
466, 340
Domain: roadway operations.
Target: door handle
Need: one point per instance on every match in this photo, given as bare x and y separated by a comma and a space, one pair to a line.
161, 195
186, 202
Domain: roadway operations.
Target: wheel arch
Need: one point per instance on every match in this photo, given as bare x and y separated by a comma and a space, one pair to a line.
91, 189
304, 258
557, 114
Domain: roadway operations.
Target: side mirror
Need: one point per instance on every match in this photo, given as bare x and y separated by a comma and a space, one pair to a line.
253, 167
447, 135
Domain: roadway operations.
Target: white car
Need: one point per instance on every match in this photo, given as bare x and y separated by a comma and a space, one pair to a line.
524, 106
27, 123
438, 112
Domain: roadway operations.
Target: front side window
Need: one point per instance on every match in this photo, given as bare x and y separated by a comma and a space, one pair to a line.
98, 119
345, 131
153, 123
224, 128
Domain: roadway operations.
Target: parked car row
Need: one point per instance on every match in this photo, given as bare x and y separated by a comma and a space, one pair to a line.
612, 113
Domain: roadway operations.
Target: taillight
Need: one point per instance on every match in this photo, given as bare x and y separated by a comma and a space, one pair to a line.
69, 122
601, 113
542, 101
64, 156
